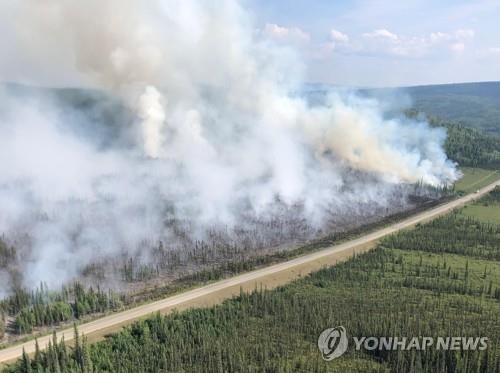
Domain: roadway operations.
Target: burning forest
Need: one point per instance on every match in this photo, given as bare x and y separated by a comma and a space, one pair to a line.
184, 144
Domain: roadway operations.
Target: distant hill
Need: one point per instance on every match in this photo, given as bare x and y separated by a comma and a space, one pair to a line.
474, 105
471, 104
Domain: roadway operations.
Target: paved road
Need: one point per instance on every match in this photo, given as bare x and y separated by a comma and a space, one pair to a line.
193, 296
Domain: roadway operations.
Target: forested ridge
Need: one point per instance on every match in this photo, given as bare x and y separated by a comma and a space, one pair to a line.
401, 288
475, 105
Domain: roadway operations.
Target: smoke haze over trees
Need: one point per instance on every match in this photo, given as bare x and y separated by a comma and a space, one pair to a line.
210, 143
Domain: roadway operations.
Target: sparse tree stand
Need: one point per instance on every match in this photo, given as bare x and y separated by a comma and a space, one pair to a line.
2, 324
42, 307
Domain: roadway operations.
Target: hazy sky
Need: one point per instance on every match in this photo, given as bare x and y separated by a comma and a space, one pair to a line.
388, 42
354, 43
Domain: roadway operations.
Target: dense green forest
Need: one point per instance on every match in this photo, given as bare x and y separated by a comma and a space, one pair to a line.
439, 279
470, 147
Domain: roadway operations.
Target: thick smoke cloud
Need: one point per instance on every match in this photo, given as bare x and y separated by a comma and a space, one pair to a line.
218, 135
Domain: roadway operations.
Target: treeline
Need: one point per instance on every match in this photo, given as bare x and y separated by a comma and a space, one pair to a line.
394, 290
43, 307
469, 147
58, 358
7, 254
2, 324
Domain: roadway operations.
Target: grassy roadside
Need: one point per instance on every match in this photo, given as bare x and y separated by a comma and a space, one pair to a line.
486, 209
475, 178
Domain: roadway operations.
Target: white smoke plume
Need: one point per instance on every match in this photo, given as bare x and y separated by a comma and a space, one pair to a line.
152, 114
219, 134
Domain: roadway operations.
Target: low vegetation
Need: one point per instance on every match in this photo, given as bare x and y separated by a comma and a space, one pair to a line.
487, 209
475, 178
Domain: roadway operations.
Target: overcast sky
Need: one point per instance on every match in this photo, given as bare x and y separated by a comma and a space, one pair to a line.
388, 42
